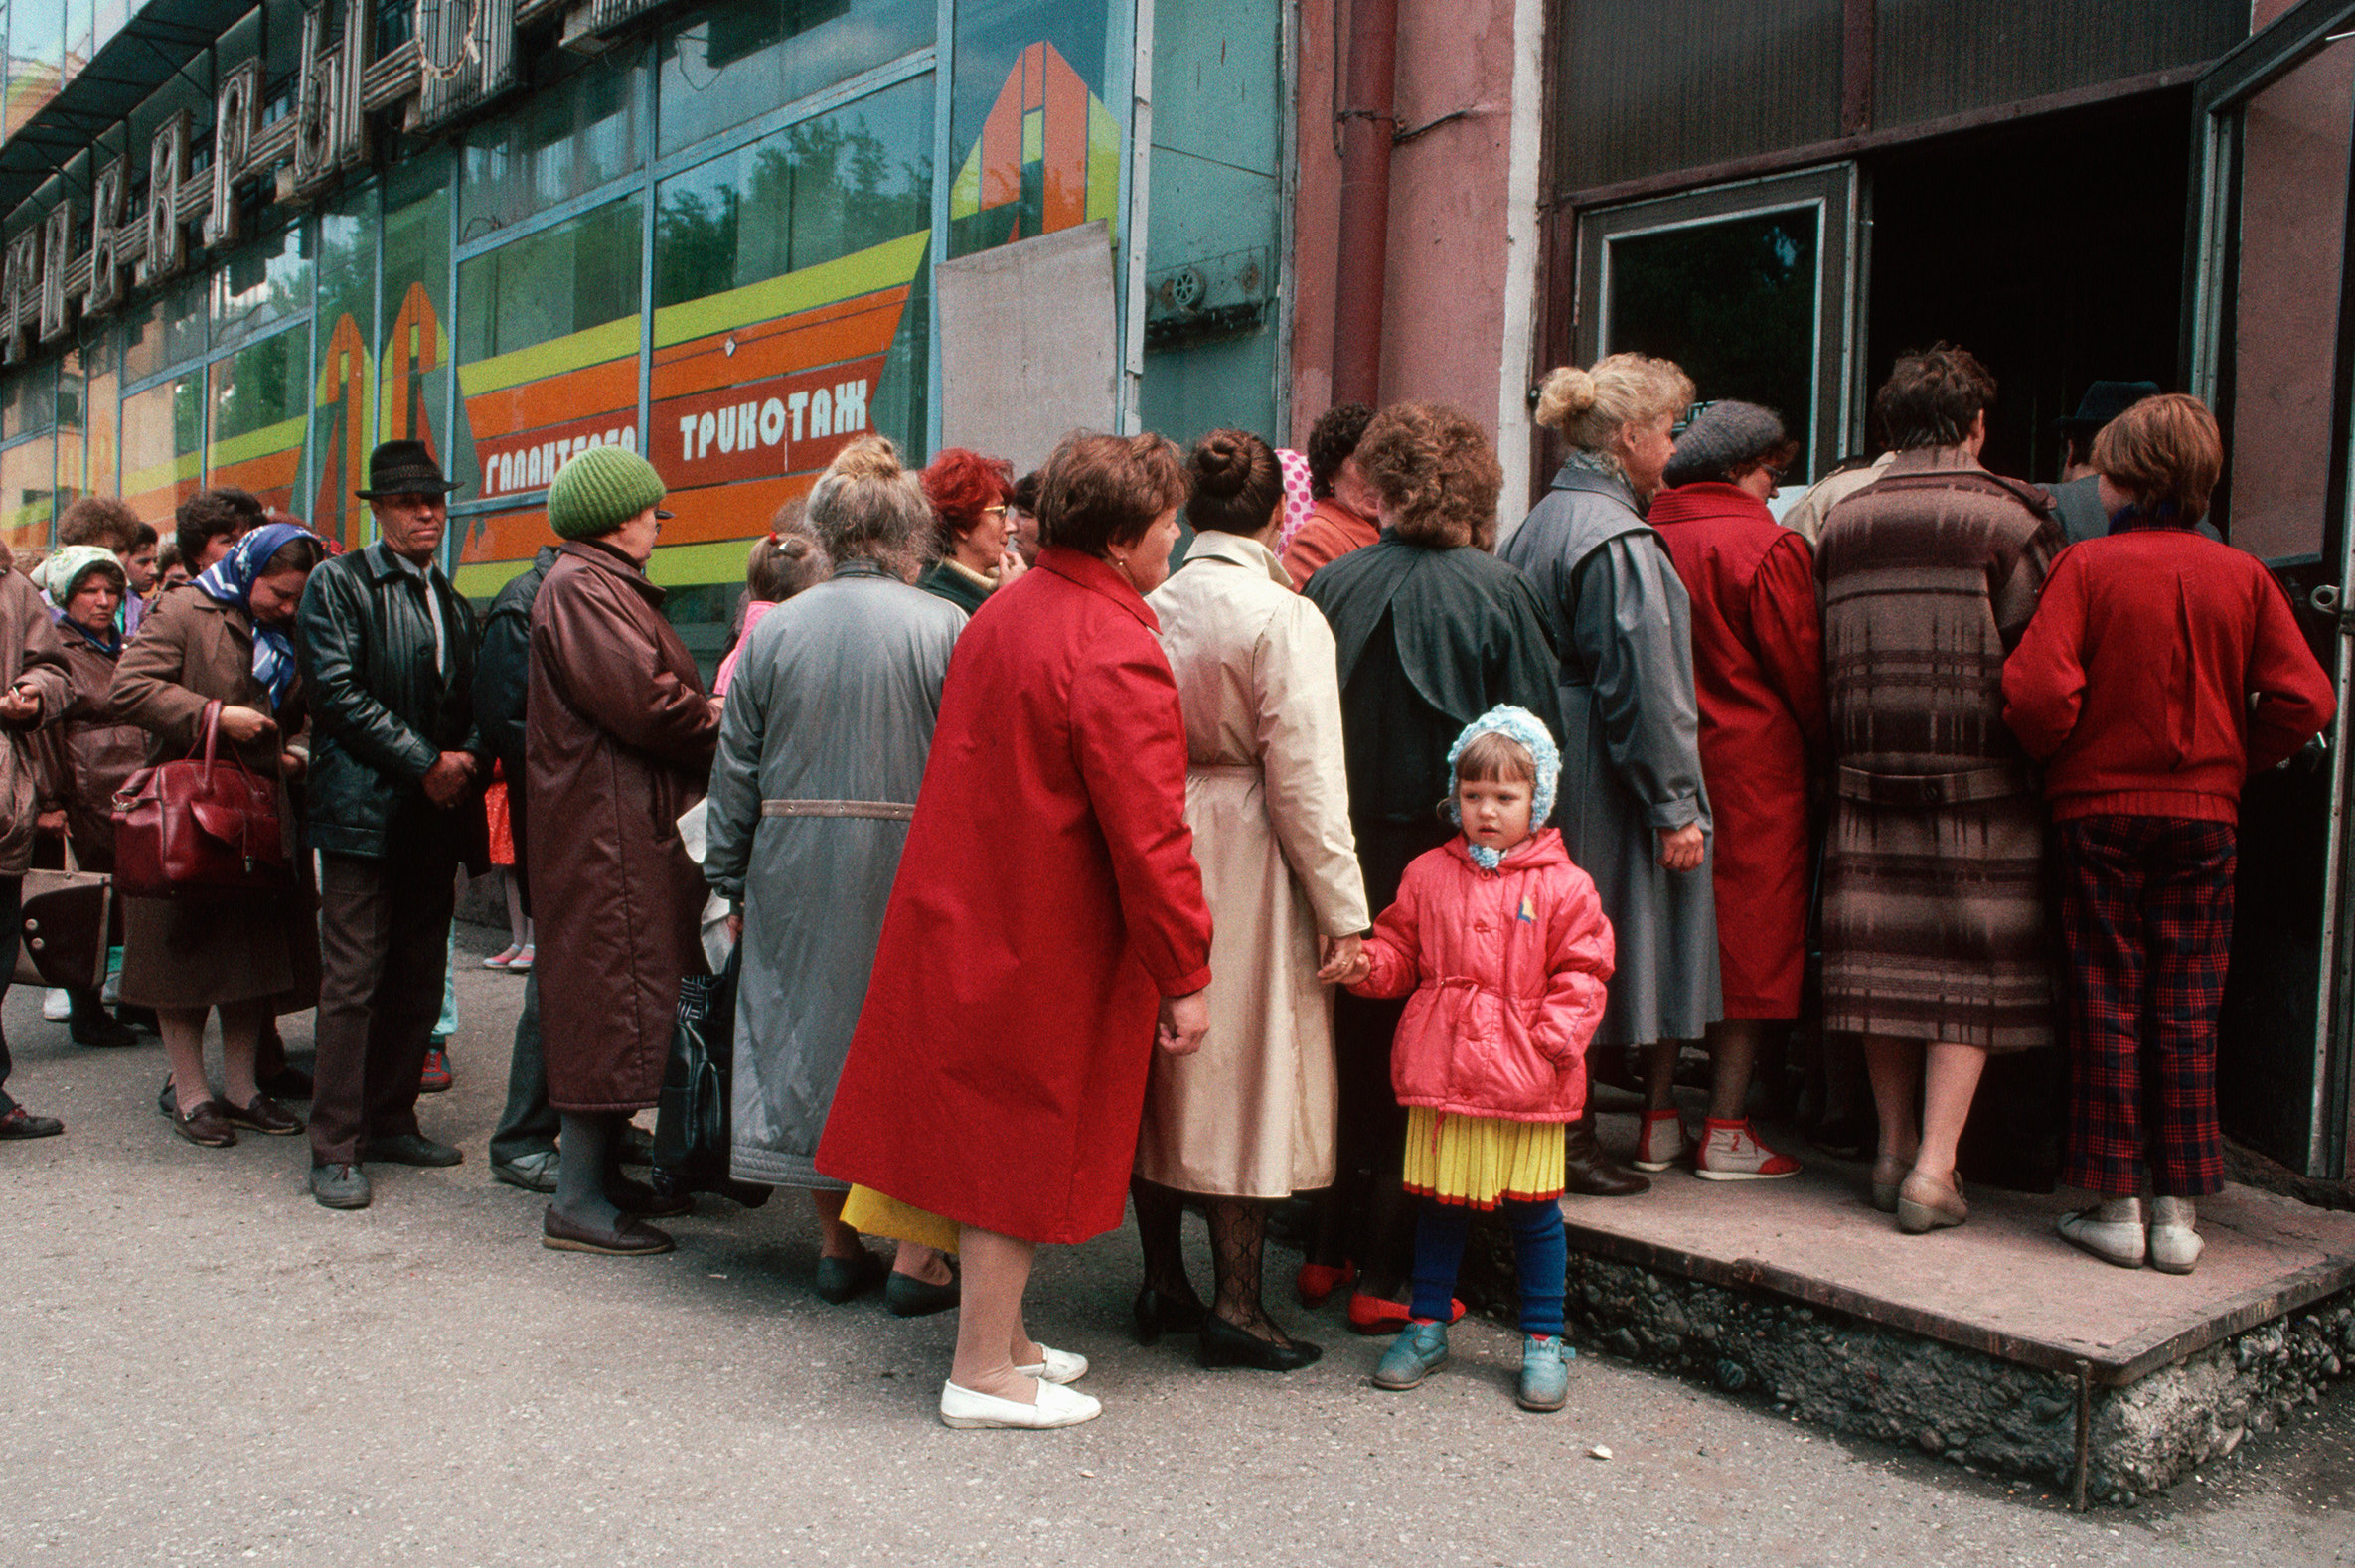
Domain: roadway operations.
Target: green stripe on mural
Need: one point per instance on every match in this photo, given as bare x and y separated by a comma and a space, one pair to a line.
188, 465
284, 436
891, 264
483, 581
572, 352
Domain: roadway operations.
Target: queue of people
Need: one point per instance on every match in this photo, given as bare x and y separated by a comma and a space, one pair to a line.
1068, 866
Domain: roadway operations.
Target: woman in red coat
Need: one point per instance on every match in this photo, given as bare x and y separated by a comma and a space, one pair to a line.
1758, 667
1047, 908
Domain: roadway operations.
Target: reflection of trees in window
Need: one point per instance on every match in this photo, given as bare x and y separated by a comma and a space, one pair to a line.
1733, 303
262, 385
817, 190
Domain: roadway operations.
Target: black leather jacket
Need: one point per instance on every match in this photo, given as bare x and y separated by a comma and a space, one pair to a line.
503, 675
381, 712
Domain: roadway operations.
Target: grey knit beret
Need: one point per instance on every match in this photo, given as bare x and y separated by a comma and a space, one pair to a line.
1723, 437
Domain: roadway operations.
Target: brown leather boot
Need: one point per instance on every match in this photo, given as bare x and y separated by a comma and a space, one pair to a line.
1590, 1173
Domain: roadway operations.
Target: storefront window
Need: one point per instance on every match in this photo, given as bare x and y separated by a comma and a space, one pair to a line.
260, 411
578, 274
28, 402
74, 400
163, 443
1034, 147
566, 136
414, 353
165, 331
27, 497
102, 411
786, 288
731, 63
261, 284
343, 371
548, 349
811, 193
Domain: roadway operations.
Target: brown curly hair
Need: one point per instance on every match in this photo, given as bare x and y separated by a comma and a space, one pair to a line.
1098, 491
1436, 473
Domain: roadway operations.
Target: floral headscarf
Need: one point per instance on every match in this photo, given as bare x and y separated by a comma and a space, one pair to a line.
230, 580
1516, 723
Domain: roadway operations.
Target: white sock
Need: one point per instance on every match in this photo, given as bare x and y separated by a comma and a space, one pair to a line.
2174, 1212
2120, 1211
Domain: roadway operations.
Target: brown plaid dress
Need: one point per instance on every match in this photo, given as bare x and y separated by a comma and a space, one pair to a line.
1934, 924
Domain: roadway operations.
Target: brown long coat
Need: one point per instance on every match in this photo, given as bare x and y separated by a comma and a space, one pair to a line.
88, 754
31, 653
617, 743
192, 649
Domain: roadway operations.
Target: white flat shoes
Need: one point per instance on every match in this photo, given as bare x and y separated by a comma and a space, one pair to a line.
1059, 1366
2119, 1241
1057, 1407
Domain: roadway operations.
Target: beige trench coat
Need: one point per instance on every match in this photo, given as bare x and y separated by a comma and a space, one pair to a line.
1267, 796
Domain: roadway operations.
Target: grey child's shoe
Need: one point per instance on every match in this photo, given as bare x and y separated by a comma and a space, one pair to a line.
1545, 1372
1420, 1349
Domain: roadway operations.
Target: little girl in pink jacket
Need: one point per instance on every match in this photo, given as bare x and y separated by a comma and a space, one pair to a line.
1505, 949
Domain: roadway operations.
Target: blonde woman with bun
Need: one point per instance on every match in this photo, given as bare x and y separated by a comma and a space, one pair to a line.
821, 746
1248, 1119
1431, 631
1634, 813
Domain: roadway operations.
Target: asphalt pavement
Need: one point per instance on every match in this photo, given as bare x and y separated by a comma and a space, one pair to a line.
208, 1369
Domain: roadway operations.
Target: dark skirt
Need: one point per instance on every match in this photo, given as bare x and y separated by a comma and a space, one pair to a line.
202, 952
1934, 924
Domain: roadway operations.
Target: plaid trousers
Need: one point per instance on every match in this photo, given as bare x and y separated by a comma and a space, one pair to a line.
2146, 906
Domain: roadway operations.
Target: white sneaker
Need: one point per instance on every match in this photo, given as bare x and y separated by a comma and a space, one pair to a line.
55, 1006
1731, 1152
1057, 1407
2116, 1238
1058, 1366
2175, 1247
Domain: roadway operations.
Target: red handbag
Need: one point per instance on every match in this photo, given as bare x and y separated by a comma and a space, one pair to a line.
195, 829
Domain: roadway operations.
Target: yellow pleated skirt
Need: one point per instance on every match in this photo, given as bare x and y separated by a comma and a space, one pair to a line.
1475, 1160
871, 1213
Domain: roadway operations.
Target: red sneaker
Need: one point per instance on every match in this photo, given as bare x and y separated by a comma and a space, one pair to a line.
436, 1076
1374, 1314
1317, 1281
1731, 1152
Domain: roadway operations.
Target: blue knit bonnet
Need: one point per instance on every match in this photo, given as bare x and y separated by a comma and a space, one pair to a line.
1516, 723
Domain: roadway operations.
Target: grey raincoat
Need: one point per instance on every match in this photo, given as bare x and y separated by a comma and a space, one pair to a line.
829, 721
1631, 753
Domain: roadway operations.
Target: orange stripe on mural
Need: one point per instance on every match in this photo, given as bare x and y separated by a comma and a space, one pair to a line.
1066, 146
505, 535
737, 511
1002, 146
589, 392
1034, 78
271, 476
782, 347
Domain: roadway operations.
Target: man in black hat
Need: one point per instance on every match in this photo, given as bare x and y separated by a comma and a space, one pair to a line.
388, 649
2075, 497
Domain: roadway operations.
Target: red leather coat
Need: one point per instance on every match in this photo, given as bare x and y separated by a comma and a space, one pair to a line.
1508, 970
1047, 901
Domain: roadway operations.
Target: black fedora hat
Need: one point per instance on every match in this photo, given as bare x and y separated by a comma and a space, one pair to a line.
2103, 401
403, 468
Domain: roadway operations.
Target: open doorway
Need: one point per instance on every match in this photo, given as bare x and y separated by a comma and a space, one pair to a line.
2052, 248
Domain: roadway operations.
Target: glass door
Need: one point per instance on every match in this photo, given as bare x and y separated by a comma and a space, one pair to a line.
2269, 337
1750, 287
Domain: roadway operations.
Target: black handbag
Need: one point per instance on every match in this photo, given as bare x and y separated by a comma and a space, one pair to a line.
690, 1118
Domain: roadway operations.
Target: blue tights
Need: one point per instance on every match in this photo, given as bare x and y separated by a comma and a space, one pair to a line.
1540, 1255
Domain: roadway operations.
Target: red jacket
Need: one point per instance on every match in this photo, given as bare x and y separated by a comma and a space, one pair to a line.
1508, 970
1047, 900
2135, 680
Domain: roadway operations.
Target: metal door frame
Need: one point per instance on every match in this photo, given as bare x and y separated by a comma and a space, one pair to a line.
2211, 291
1834, 193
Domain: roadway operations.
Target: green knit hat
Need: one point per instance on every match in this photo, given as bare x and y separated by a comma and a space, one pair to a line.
599, 490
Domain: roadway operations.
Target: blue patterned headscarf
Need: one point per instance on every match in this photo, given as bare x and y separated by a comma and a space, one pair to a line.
1519, 724
230, 580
